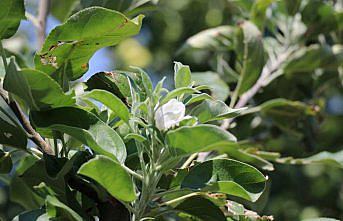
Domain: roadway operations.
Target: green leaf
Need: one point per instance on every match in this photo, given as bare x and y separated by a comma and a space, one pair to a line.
178, 92
129, 7
19, 58
29, 216
83, 126
24, 186
72, 165
182, 75
113, 82
201, 208
251, 53
320, 219
285, 113
62, 9
146, 81
325, 157
292, 6
112, 176
236, 152
218, 38
11, 132
5, 162
319, 18
198, 97
58, 210
307, 59
258, 12
115, 5
136, 137
187, 140
36, 88
210, 110
219, 89
111, 101
11, 13
68, 48
23, 195
240, 213
226, 176
280, 102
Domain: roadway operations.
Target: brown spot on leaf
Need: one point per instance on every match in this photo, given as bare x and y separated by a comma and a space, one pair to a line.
84, 66
51, 60
110, 74
122, 25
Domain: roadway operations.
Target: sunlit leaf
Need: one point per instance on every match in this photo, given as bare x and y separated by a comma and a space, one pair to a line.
187, 140
219, 89
178, 92
182, 75
119, 184
68, 48
219, 38
111, 101
198, 97
37, 89
210, 110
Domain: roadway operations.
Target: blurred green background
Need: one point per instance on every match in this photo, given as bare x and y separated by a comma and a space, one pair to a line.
295, 192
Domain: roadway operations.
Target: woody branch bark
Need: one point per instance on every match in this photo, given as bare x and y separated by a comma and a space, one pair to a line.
43, 12
35, 137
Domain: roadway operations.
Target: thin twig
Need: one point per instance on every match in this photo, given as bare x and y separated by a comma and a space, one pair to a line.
35, 137
261, 82
43, 12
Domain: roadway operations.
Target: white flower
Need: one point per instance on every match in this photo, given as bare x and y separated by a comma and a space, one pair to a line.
169, 114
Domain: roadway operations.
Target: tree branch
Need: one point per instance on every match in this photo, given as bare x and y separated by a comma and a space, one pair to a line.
32, 19
35, 137
267, 71
43, 12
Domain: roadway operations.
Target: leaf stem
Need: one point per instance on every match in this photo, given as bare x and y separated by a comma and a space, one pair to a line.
133, 173
180, 198
189, 160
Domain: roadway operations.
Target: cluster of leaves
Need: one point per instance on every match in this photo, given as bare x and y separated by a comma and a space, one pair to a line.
284, 58
112, 162
298, 41
103, 154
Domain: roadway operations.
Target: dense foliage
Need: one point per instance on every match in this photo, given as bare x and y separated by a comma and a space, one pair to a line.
118, 147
